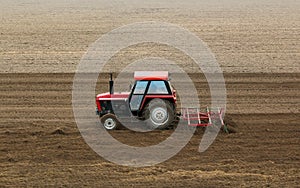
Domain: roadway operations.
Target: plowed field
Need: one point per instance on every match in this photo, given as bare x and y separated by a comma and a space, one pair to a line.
256, 44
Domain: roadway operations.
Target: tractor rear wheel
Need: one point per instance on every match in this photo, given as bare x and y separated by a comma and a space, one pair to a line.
159, 113
110, 122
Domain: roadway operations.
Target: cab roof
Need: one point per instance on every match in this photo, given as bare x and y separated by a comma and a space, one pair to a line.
151, 75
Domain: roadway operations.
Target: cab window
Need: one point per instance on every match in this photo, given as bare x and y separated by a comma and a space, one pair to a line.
157, 87
140, 87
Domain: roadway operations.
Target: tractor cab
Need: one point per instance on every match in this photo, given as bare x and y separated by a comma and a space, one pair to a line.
147, 86
150, 89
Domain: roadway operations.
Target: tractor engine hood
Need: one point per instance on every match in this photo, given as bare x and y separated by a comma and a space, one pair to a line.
115, 96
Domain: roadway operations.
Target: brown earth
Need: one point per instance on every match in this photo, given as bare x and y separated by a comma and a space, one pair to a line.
41, 145
255, 42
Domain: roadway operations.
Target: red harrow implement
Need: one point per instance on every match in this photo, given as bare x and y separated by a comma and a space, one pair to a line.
195, 117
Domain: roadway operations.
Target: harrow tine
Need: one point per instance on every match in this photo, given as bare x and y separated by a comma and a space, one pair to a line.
208, 114
199, 120
188, 116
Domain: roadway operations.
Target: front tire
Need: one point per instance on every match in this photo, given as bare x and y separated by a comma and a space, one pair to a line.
110, 122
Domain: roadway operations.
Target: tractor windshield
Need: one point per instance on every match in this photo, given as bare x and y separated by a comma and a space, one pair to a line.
140, 87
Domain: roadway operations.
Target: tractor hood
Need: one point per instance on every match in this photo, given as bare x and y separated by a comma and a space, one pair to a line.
115, 96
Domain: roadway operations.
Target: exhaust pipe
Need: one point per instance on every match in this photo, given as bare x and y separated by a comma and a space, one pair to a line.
111, 84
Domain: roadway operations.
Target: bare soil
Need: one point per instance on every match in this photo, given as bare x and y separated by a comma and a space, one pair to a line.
255, 42
41, 145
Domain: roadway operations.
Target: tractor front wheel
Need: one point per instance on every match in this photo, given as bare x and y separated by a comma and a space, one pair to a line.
110, 122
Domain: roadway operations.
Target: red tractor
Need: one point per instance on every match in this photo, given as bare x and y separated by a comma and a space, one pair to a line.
151, 98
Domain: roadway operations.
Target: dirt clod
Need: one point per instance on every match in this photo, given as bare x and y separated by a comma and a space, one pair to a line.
59, 132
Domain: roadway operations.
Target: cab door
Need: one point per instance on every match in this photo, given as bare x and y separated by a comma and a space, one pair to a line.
137, 95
